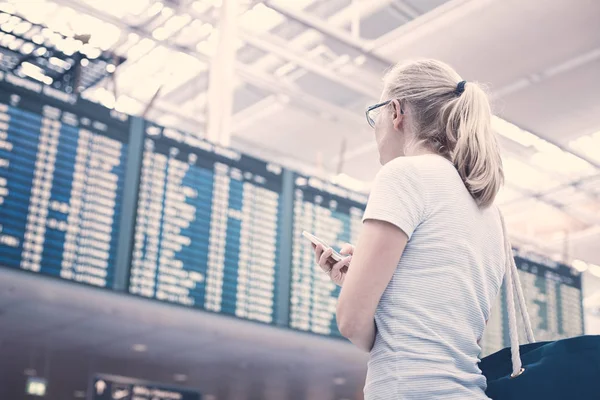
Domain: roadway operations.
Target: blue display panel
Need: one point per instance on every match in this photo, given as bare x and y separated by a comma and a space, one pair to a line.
207, 227
62, 163
554, 300
333, 214
553, 294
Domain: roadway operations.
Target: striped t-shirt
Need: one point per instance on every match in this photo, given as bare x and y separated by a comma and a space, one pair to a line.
434, 310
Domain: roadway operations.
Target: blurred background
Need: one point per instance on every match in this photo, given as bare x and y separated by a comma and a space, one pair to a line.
159, 160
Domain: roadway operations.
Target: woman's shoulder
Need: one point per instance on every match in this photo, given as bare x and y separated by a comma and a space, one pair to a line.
422, 166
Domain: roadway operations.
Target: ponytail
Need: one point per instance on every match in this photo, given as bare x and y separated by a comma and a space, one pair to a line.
452, 118
476, 153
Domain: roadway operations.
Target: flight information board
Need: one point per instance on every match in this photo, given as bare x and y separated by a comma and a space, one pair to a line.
335, 215
553, 295
62, 163
207, 227
204, 227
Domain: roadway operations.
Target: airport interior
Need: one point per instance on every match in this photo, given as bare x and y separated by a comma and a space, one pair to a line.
160, 160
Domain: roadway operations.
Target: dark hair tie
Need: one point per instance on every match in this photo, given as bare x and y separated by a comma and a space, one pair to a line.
460, 88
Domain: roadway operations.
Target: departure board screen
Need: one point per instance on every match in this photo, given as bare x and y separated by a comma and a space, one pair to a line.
335, 215
553, 295
62, 163
207, 227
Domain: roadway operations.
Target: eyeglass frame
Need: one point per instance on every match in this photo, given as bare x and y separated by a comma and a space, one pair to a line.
371, 121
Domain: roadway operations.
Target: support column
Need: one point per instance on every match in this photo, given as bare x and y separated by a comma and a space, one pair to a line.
222, 74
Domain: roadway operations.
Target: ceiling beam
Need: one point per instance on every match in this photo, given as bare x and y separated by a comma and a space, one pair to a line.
582, 216
581, 234
565, 66
574, 184
268, 44
553, 142
408, 10
257, 111
221, 76
328, 29
443, 15
249, 74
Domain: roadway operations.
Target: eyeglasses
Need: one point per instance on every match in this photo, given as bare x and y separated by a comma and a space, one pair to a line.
373, 111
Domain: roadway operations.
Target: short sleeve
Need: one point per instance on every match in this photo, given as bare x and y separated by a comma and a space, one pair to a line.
397, 196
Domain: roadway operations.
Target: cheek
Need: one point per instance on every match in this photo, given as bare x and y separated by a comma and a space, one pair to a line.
379, 135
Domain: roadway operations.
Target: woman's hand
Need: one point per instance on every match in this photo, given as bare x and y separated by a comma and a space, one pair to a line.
336, 271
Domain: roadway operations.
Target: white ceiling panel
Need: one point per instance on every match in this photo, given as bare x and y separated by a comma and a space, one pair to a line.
423, 6
246, 96
327, 8
561, 107
381, 22
570, 196
501, 42
325, 89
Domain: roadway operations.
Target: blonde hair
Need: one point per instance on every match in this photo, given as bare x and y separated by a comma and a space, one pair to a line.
452, 123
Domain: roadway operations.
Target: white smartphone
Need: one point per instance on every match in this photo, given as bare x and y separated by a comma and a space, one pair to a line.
315, 240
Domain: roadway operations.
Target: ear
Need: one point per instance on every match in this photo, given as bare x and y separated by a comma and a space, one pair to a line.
397, 115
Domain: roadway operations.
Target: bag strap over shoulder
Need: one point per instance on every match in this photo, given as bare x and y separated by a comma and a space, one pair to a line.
513, 287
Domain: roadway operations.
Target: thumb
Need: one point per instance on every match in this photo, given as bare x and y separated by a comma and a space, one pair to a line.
347, 248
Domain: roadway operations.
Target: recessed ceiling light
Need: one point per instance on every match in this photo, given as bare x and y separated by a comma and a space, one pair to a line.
360, 60
79, 394
140, 348
579, 265
339, 380
180, 377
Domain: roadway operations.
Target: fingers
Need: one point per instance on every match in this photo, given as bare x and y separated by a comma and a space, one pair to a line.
337, 267
339, 270
318, 251
324, 260
347, 248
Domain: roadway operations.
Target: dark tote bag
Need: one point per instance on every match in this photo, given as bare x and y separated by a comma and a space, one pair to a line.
567, 369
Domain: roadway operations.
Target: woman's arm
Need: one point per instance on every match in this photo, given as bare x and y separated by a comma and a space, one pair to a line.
373, 264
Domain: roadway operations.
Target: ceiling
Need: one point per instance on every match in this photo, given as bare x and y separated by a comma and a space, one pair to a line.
306, 69
67, 333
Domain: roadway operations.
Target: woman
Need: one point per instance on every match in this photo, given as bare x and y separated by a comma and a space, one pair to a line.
418, 288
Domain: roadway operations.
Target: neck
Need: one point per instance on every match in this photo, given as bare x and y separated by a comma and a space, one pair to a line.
418, 151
